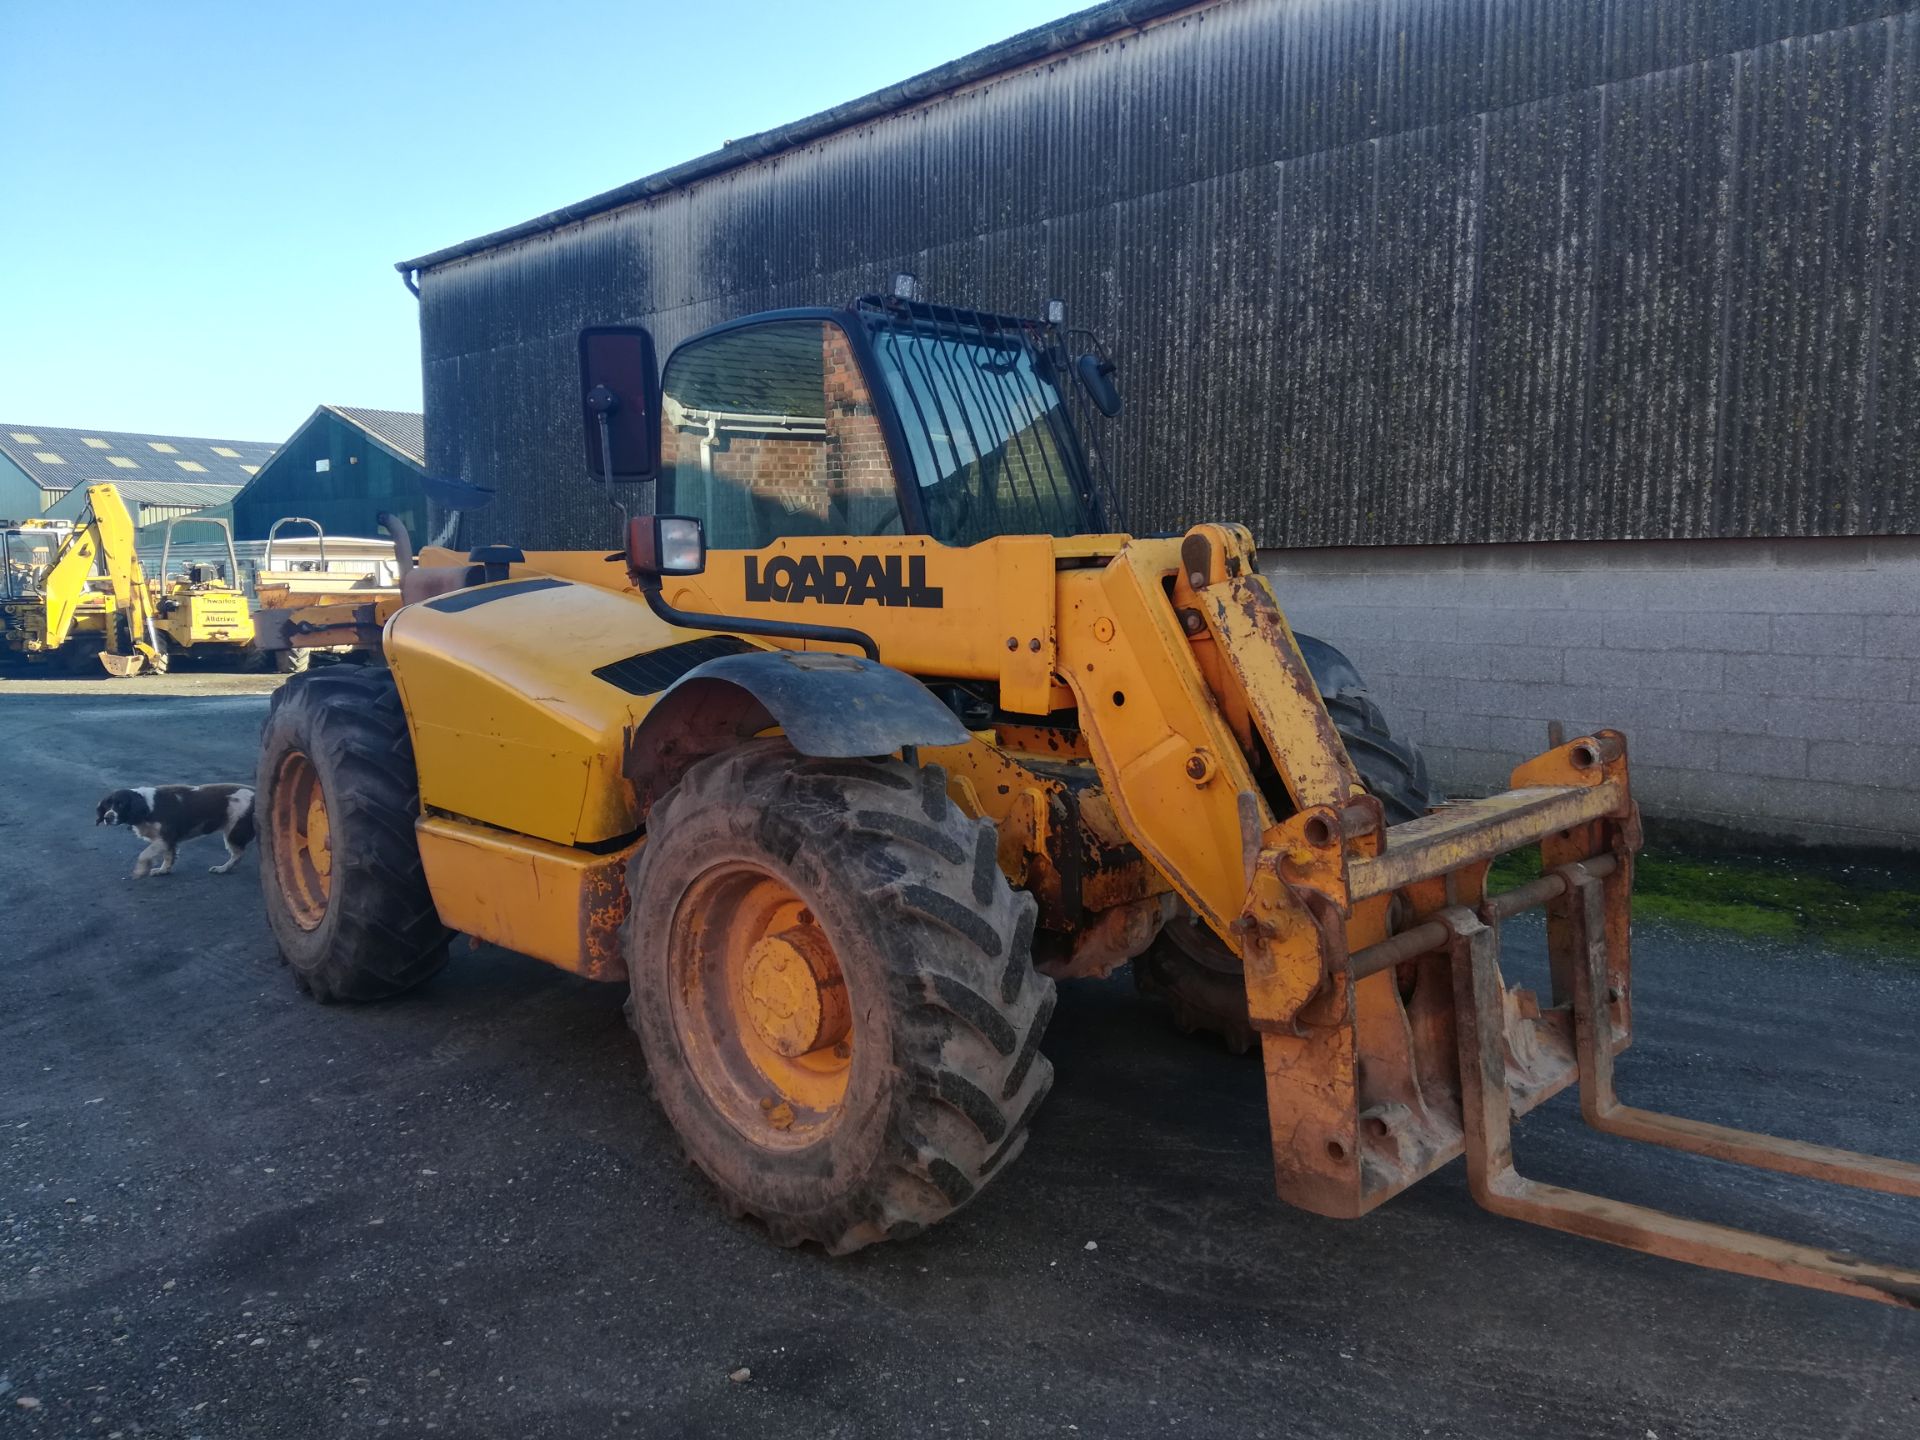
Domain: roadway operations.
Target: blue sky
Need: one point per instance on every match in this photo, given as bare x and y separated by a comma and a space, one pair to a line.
201, 203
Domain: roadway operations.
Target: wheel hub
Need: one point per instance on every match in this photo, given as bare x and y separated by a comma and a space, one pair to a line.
302, 839
795, 995
763, 1008
319, 834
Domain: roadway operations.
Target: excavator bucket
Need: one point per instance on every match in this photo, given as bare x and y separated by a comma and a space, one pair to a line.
1419, 1050
122, 667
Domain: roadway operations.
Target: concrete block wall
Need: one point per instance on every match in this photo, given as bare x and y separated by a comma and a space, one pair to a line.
1772, 687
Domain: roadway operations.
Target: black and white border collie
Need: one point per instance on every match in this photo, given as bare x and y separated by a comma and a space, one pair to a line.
164, 815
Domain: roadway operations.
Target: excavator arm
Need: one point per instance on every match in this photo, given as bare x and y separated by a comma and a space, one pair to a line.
65, 584
103, 547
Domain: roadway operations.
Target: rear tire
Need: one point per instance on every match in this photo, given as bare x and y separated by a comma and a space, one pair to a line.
1393, 770
292, 661
929, 1091
1190, 969
335, 802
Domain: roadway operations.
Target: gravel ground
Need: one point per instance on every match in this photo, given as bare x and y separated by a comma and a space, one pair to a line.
226, 1211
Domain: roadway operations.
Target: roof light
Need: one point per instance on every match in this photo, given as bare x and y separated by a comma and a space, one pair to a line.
24, 438
122, 462
251, 469
224, 450
191, 465
47, 457
93, 444
162, 446
906, 286
1056, 312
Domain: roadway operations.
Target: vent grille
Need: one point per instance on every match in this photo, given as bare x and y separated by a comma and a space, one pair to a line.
652, 671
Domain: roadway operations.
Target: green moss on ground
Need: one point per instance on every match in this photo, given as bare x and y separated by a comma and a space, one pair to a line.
1870, 907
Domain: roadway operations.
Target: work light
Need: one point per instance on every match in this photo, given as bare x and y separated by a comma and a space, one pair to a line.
665, 545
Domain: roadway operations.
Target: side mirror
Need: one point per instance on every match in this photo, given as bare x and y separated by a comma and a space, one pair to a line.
1096, 378
619, 383
660, 545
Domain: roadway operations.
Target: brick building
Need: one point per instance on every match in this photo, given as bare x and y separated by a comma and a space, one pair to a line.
1564, 354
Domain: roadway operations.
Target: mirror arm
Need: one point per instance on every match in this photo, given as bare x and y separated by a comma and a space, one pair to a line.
741, 625
606, 459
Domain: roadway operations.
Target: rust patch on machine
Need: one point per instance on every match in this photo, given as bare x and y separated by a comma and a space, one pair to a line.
603, 913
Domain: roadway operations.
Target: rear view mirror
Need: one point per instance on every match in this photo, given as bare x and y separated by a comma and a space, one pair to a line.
618, 385
1096, 378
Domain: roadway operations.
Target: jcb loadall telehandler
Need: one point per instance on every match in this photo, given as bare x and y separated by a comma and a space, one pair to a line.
881, 721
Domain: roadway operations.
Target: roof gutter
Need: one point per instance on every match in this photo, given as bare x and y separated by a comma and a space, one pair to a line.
1028, 48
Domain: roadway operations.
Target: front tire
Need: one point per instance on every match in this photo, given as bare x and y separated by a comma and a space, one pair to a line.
334, 804
834, 989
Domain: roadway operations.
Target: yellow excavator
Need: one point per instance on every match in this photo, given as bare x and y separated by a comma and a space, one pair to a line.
74, 592
28, 550
882, 722
83, 596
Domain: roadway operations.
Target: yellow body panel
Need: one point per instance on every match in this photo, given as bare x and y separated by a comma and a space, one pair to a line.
552, 902
524, 737
204, 615
510, 724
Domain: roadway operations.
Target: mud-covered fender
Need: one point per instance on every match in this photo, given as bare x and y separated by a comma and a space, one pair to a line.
828, 705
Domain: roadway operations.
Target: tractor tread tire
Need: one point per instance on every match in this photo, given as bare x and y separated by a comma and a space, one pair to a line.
911, 890
1211, 998
381, 934
292, 661
1393, 770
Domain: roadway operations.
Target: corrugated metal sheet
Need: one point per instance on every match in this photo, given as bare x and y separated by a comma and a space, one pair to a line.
1375, 271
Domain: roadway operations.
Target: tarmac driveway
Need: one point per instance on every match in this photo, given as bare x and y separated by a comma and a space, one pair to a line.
228, 1211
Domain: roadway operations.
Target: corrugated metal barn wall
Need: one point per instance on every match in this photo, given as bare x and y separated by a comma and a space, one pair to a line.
1376, 271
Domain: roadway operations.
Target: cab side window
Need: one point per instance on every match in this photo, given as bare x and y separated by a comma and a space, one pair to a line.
770, 431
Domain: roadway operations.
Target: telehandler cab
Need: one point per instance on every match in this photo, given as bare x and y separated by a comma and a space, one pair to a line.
879, 723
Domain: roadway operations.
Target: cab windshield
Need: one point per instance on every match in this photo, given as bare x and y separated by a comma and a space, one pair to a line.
993, 447
28, 554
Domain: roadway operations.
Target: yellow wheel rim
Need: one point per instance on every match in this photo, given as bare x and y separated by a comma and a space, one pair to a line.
302, 840
761, 1005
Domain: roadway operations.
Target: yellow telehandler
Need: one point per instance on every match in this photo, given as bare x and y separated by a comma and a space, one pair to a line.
878, 723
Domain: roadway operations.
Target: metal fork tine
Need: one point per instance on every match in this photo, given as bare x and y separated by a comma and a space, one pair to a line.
1480, 1012
1600, 1104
